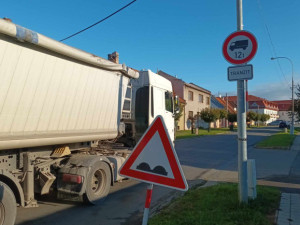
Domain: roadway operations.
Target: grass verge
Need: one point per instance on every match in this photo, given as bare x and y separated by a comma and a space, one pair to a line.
213, 131
219, 205
277, 141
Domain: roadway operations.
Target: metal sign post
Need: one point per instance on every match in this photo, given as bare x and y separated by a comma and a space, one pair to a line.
238, 49
241, 120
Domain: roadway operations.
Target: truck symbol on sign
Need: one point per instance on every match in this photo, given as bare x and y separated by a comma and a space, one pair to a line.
239, 44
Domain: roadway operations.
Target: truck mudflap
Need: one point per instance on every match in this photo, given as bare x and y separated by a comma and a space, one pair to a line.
72, 178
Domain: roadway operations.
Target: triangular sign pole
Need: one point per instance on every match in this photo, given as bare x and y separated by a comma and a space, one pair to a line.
149, 142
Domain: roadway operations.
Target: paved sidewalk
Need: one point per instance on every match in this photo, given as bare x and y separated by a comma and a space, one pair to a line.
289, 210
296, 144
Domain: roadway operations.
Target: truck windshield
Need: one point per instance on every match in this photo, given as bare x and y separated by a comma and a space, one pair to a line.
169, 101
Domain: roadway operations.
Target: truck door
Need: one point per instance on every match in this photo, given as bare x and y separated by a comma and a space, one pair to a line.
141, 111
163, 105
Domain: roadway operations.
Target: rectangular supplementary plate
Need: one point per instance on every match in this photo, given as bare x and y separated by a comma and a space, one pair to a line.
244, 72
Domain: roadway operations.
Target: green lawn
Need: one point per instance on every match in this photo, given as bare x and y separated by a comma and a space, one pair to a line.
277, 141
219, 205
213, 131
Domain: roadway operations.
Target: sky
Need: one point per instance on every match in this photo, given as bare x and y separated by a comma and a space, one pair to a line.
181, 38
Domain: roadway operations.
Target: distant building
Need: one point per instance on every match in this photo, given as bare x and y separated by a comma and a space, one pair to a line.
284, 107
217, 105
258, 105
230, 108
196, 98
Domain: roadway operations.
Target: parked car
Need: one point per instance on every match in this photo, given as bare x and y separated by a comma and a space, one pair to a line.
284, 124
275, 123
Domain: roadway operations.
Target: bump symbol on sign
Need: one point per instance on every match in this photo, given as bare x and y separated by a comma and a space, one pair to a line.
158, 169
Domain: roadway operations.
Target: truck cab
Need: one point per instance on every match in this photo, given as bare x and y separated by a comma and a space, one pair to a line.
152, 95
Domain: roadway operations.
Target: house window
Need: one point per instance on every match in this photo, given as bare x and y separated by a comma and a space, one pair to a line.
207, 101
200, 98
190, 114
191, 96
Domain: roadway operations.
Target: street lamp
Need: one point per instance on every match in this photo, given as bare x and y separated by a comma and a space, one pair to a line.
293, 108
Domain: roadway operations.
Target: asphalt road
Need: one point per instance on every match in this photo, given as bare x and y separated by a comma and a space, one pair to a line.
212, 158
220, 153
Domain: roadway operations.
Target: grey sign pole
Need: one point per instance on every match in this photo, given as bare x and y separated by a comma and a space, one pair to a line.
241, 121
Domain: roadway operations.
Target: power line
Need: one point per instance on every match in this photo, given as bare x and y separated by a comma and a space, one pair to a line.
270, 39
98, 21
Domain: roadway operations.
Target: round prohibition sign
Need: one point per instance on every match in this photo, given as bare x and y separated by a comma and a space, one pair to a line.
239, 47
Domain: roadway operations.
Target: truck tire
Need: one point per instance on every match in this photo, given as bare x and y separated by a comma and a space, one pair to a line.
97, 183
8, 206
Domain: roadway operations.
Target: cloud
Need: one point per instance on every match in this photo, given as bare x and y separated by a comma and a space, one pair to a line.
273, 91
269, 90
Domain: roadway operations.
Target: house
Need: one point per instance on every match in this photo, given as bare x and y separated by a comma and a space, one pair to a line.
258, 105
284, 107
230, 108
217, 105
196, 97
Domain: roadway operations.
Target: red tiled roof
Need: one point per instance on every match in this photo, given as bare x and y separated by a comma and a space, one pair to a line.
255, 102
223, 102
284, 105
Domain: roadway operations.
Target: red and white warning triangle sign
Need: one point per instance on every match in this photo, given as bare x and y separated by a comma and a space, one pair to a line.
154, 160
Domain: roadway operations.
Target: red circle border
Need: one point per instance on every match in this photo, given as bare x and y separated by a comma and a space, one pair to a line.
233, 35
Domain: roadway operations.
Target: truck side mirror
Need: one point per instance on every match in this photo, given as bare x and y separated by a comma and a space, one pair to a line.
176, 104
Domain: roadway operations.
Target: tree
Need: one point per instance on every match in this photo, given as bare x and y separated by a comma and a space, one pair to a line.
232, 117
223, 114
264, 117
179, 114
193, 120
297, 103
297, 109
209, 115
257, 118
251, 116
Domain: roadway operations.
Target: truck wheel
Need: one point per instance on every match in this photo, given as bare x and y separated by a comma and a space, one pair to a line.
97, 183
8, 206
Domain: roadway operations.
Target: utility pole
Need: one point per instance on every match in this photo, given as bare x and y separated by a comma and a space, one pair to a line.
227, 110
293, 103
241, 120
